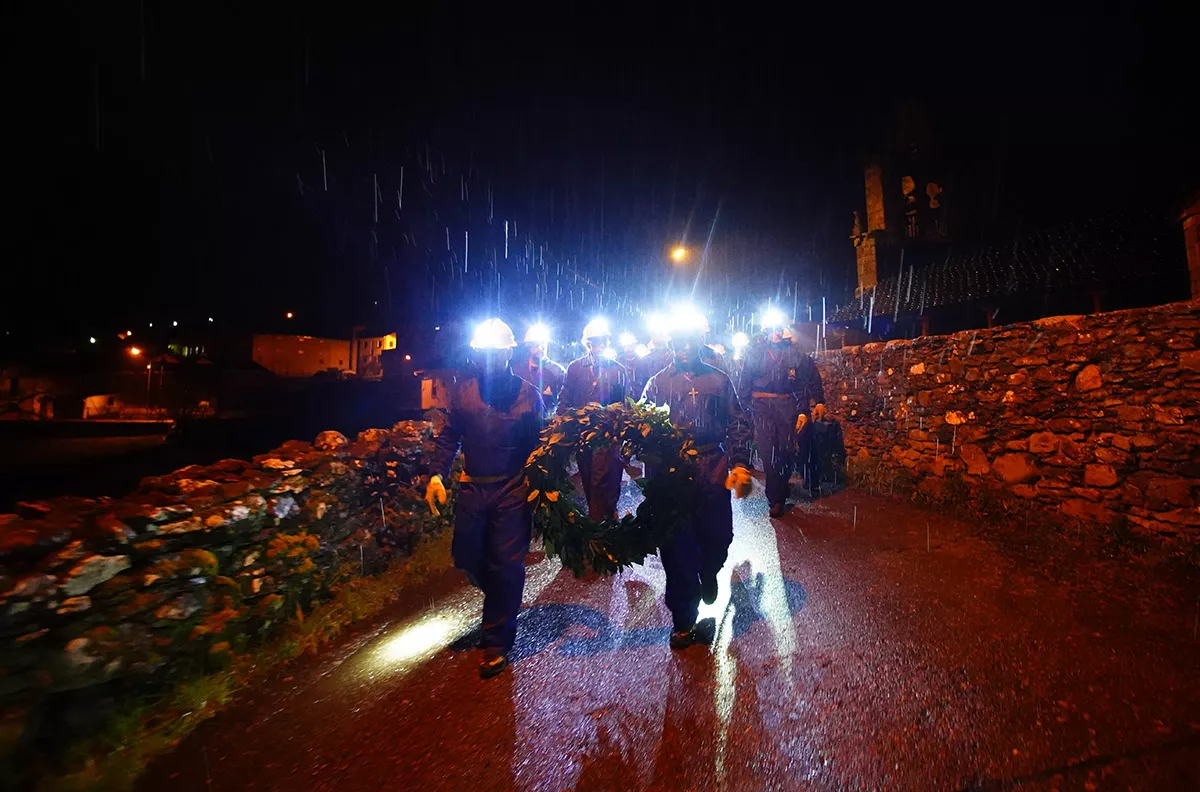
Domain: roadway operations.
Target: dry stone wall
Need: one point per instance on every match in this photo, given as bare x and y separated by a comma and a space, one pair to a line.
101, 597
1093, 416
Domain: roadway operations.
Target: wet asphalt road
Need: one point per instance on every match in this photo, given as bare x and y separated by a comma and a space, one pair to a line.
890, 648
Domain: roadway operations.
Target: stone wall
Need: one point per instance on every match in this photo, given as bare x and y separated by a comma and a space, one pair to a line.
1093, 416
99, 598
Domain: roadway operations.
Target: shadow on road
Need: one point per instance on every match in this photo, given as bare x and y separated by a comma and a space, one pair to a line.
558, 624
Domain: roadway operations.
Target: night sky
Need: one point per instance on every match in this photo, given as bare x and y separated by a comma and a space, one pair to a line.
195, 187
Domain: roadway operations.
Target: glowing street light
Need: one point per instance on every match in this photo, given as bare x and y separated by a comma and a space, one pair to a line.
91, 339
679, 254
174, 324
290, 314
408, 358
135, 351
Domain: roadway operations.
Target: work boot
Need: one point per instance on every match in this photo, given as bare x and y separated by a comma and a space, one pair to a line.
776, 510
682, 639
494, 661
708, 589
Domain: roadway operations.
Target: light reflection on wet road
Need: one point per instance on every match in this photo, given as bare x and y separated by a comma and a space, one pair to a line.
847, 657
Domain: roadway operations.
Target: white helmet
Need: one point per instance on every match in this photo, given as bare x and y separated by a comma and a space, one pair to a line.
493, 334
597, 328
687, 319
537, 334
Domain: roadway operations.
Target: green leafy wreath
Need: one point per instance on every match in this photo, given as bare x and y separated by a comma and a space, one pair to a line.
606, 546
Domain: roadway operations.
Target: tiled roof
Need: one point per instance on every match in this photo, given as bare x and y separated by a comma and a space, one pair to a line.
1096, 253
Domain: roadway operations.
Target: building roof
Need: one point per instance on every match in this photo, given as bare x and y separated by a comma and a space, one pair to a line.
1097, 253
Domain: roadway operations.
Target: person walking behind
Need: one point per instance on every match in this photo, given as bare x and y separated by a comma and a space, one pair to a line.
597, 378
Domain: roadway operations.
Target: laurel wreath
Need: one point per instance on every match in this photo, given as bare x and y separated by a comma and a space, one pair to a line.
607, 546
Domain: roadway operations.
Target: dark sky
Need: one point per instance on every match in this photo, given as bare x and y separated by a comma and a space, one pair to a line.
195, 186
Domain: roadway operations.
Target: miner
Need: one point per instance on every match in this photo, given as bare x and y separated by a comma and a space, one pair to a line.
495, 418
778, 382
536, 367
703, 401
597, 378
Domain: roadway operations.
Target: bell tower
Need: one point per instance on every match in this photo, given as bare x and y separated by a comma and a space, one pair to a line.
905, 202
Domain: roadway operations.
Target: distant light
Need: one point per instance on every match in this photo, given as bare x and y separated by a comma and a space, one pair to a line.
290, 314
128, 333
152, 324
627, 339
641, 350
91, 339
135, 351
439, 327
408, 357
740, 340
174, 324
210, 318
610, 353
679, 254
147, 367
773, 317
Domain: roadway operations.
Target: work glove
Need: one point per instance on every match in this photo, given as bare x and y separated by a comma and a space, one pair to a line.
739, 482
801, 422
435, 493
819, 412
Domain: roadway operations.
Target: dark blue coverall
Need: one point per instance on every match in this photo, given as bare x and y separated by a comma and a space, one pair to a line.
779, 382
706, 404
595, 379
545, 375
496, 420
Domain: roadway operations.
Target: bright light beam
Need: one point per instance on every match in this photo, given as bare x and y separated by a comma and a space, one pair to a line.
773, 317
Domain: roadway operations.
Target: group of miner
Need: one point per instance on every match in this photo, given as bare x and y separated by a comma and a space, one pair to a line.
769, 397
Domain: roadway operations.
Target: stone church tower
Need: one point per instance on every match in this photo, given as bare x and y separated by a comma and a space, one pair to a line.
905, 202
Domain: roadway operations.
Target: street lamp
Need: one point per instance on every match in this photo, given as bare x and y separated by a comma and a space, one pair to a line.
135, 351
679, 254
290, 314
